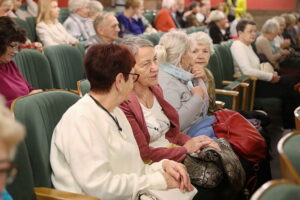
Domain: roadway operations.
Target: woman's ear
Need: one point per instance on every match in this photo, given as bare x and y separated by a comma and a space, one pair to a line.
120, 81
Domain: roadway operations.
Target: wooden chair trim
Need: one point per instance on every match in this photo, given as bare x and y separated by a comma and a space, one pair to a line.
286, 167
43, 193
220, 103
297, 118
12, 107
267, 186
227, 92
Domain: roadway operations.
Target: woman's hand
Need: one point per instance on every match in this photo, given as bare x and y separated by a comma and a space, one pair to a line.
35, 91
199, 72
176, 176
38, 46
198, 90
195, 144
275, 78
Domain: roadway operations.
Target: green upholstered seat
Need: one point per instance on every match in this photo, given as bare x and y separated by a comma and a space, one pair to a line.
292, 151
278, 190
24, 25
66, 64
154, 38
40, 113
35, 68
83, 86
63, 14
22, 187
150, 15
81, 48
31, 21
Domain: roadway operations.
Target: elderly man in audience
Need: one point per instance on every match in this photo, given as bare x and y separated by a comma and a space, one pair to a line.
107, 29
48, 29
165, 19
269, 83
77, 24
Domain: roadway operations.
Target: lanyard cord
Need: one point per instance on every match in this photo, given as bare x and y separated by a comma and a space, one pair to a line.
114, 118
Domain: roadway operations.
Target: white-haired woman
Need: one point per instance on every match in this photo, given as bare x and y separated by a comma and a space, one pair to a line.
264, 43
48, 29
181, 83
165, 19
218, 26
11, 134
78, 23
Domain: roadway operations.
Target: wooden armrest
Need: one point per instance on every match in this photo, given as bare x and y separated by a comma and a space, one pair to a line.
241, 84
239, 75
220, 103
227, 92
43, 193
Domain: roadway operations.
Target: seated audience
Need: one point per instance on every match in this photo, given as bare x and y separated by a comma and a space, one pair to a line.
32, 9
48, 29
185, 91
269, 84
107, 29
233, 33
11, 134
290, 32
5, 7
180, 14
95, 8
192, 19
264, 43
105, 145
77, 24
165, 19
153, 120
130, 24
235, 9
218, 27
12, 83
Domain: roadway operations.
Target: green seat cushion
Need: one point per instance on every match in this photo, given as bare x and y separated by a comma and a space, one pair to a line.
35, 67
66, 64
40, 113
292, 150
282, 192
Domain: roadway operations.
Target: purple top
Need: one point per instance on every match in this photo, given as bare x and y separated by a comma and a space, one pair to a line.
12, 83
131, 26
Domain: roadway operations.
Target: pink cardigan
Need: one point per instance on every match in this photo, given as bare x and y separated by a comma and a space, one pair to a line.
135, 116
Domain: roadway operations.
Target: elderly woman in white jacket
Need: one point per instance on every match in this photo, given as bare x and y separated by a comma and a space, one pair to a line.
93, 149
49, 30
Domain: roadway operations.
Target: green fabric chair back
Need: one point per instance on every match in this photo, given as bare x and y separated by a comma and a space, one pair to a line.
81, 48
35, 68
63, 15
40, 113
282, 192
154, 38
22, 187
214, 66
150, 16
31, 21
66, 64
292, 151
25, 26
84, 87
226, 61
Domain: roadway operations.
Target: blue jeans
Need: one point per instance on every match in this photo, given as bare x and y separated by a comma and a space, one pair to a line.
204, 127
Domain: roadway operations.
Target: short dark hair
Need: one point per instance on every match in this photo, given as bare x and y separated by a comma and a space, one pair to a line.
103, 62
10, 32
243, 23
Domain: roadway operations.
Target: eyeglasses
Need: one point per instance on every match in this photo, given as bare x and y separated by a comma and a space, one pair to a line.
14, 46
10, 171
135, 76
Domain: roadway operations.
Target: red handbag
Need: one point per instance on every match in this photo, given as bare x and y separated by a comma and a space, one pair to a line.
241, 134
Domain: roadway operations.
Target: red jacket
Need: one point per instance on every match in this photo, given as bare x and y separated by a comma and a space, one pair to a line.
164, 21
135, 116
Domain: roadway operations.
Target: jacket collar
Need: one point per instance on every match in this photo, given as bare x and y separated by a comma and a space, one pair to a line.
176, 72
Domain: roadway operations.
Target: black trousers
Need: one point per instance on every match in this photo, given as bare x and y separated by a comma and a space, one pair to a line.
285, 91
